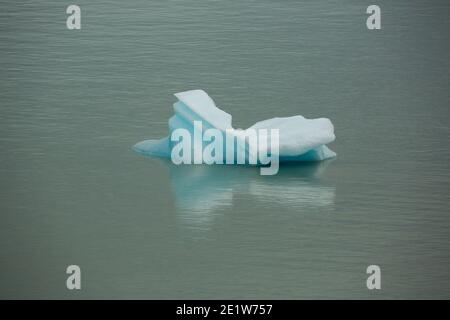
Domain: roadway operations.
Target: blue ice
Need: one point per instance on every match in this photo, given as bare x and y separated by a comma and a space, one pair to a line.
300, 139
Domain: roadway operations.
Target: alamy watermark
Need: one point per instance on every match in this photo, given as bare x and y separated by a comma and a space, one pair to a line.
73, 281
373, 22
374, 280
249, 146
73, 21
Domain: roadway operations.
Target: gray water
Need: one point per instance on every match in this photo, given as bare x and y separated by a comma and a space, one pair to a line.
73, 102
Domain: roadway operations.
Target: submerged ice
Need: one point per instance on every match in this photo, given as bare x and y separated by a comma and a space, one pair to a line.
298, 138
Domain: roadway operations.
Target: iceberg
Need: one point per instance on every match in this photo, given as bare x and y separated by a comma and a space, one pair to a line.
299, 139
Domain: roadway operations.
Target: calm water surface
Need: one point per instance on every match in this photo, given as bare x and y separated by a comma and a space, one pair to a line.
72, 103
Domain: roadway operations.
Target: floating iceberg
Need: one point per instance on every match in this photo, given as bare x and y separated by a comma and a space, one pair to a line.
299, 139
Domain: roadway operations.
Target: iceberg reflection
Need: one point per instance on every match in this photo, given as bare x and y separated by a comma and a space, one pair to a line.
201, 192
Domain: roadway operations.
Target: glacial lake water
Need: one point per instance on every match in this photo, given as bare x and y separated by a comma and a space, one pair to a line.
73, 103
